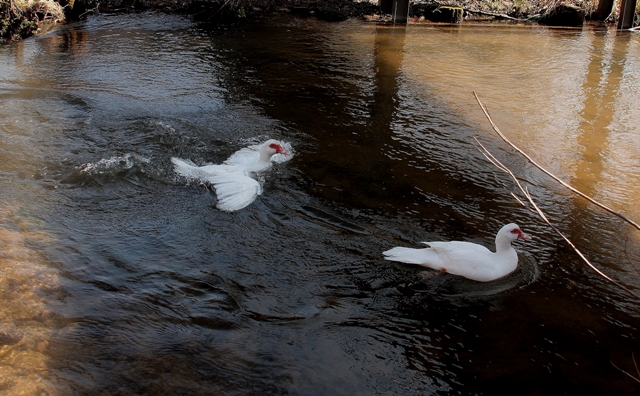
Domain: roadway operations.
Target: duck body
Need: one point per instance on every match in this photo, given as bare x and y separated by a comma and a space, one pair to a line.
466, 259
235, 180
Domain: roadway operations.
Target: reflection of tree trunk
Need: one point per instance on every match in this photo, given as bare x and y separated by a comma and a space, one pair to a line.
600, 88
603, 11
388, 59
388, 55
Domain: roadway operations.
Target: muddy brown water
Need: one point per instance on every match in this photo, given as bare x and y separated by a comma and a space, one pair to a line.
118, 277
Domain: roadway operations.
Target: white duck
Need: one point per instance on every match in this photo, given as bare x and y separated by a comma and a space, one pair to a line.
234, 179
466, 259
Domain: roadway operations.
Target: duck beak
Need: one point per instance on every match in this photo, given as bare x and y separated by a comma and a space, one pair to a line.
280, 150
524, 236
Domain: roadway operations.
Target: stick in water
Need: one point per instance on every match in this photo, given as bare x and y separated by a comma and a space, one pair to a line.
526, 193
583, 195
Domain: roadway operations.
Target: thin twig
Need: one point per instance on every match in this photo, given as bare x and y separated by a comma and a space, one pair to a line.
634, 378
585, 196
525, 192
519, 200
94, 10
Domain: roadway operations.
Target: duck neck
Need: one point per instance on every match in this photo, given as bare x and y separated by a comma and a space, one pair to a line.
265, 158
502, 245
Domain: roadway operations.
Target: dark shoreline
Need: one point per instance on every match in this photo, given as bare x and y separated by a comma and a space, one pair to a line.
16, 26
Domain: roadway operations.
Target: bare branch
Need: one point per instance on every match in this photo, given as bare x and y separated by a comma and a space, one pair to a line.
519, 200
634, 378
94, 10
526, 193
585, 196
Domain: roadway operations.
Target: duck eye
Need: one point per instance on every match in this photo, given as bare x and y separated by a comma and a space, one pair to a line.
274, 146
515, 231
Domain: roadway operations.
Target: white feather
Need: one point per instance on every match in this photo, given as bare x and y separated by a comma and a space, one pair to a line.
466, 259
234, 180
235, 191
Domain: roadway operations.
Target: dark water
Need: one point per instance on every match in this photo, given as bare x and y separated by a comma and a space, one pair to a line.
119, 278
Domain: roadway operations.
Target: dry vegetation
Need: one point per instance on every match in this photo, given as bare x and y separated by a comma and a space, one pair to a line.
46, 9
518, 8
20, 18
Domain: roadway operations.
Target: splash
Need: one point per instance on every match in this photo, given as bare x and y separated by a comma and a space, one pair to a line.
113, 164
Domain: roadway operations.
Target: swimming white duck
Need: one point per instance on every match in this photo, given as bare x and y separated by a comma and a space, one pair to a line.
235, 179
466, 259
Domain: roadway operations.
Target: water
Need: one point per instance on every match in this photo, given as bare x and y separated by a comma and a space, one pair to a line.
118, 277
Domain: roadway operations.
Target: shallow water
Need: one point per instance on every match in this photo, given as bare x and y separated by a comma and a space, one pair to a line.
119, 277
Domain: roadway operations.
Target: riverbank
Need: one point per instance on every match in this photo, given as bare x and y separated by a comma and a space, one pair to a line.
338, 10
22, 18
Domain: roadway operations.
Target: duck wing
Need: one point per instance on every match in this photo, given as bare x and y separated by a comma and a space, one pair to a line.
190, 170
235, 190
244, 157
466, 259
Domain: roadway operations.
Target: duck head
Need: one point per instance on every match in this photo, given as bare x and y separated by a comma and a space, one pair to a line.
508, 234
511, 232
270, 148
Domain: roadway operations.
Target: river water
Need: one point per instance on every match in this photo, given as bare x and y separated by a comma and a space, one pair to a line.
118, 277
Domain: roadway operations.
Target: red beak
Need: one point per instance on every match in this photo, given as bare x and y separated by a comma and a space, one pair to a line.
524, 236
278, 149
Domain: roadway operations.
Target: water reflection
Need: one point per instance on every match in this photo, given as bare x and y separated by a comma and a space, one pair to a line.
596, 134
601, 90
388, 52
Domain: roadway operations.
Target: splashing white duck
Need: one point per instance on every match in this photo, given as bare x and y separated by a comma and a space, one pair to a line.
466, 259
235, 179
